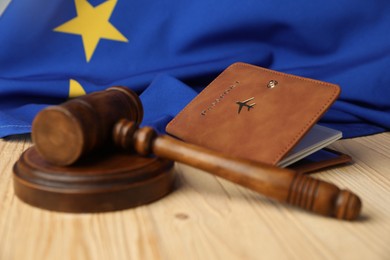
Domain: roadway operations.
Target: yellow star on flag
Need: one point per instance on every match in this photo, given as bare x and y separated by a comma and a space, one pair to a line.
92, 23
75, 89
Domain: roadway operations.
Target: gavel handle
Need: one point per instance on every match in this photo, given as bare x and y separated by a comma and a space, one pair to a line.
280, 184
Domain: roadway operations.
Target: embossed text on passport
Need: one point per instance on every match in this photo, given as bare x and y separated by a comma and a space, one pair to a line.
219, 98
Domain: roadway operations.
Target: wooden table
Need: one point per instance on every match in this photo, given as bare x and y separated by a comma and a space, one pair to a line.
207, 218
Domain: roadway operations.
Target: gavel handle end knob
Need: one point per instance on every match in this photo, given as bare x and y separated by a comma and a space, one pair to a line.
323, 198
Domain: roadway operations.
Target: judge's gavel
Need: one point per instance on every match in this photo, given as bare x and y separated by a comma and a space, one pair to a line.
62, 134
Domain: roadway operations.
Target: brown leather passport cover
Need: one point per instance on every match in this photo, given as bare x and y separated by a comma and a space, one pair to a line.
253, 112
327, 158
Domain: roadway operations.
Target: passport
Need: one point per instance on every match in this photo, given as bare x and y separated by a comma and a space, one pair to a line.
259, 114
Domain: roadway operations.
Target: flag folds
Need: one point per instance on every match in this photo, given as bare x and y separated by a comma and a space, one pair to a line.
167, 51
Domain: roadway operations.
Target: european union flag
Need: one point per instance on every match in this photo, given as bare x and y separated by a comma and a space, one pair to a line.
167, 51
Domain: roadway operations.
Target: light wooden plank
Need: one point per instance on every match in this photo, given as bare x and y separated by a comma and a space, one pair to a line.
207, 218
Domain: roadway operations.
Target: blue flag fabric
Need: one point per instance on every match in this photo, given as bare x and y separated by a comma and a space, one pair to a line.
167, 51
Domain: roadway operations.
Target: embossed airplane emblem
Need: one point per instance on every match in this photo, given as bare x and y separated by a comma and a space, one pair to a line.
244, 103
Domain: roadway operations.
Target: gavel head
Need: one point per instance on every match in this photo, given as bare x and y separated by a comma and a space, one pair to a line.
62, 134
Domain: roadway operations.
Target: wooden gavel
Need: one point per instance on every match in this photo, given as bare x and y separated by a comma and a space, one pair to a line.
63, 134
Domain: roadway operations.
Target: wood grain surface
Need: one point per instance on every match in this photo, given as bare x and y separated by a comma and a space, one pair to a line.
207, 218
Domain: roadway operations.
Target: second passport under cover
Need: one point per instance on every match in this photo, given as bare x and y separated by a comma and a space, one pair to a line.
253, 113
